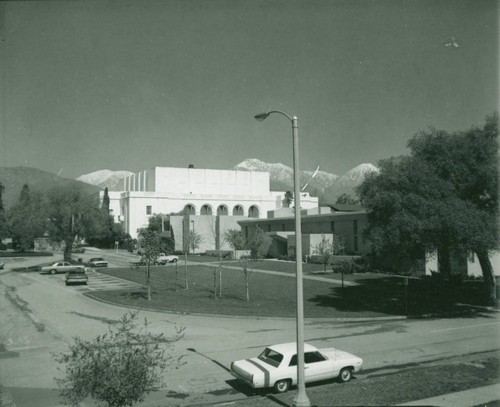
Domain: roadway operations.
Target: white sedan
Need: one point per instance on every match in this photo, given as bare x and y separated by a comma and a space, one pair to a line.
276, 366
61, 267
164, 259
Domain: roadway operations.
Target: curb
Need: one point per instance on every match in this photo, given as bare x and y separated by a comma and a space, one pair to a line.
200, 314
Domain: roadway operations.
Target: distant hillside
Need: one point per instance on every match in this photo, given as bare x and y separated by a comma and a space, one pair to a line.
13, 179
113, 180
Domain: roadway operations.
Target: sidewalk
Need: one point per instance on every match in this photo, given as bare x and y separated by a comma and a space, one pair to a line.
465, 398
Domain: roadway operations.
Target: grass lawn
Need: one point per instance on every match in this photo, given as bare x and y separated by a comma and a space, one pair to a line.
375, 295
270, 295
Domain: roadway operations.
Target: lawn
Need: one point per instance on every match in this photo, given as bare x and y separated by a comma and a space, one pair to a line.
270, 295
375, 295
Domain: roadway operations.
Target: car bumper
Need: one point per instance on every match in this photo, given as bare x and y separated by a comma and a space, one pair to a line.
244, 379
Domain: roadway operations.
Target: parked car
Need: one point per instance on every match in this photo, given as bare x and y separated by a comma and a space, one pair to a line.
78, 249
98, 262
2, 265
76, 277
164, 259
61, 267
276, 366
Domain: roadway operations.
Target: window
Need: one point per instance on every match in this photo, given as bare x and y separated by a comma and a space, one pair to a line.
309, 357
313, 357
271, 357
332, 226
149, 210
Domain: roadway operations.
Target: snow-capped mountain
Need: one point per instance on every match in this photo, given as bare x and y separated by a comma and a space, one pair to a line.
328, 187
347, 183
105, 178
281, 176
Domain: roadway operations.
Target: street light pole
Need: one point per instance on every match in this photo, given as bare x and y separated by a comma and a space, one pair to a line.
301, 400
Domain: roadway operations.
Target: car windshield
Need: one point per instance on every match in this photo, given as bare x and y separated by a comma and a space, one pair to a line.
271, 357
77, 272
97, 259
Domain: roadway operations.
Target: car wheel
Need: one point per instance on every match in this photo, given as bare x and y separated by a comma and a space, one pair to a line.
53, 271
174, 261
345, 375
282, 386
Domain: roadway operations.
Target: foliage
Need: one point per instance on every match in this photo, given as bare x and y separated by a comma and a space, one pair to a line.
255, 242
235, 239
346, 199
4, 230
443, 198
161, 224
105, 202
287, 201
71, 213
27, 219
118, 367
324, 250
191, 242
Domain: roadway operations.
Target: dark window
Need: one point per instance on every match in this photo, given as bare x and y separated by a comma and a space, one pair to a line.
149, 210
271, 357
313, 357
268, 228
332, 226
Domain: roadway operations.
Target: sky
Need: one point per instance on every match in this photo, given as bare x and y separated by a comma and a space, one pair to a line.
129, 85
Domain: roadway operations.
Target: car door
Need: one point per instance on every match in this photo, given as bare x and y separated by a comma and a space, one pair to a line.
317, 366
66, 267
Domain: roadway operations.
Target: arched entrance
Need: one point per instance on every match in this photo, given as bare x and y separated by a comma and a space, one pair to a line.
238, 210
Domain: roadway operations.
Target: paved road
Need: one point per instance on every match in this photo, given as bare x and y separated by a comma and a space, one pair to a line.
41, 315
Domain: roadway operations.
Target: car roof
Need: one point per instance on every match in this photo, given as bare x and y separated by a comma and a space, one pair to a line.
96, 258
291, 347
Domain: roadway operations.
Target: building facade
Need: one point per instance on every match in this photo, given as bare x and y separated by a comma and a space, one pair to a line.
195, 192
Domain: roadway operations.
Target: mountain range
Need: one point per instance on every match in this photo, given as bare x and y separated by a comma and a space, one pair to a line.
325, 185
328, 187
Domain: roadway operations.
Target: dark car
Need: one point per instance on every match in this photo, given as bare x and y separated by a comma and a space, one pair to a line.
76, 277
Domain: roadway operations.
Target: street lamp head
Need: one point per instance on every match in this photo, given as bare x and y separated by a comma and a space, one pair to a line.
261, 116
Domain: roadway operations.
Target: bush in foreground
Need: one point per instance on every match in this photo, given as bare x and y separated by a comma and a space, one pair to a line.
117, 368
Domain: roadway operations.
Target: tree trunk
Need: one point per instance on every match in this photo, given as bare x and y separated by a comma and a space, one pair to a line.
444, 261
488, 275
215, 283
148, 280
248, 290
176, 276
186, 286
220, 280
68, 245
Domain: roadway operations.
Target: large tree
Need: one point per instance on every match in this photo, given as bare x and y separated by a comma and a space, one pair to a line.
72, 213
27, 219
442, 198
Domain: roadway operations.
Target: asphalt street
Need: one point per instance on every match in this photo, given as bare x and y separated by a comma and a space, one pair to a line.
40, 316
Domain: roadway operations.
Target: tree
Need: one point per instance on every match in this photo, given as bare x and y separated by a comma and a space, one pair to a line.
235, 239
468, 161
118, 367
287, 201
191, 242
105, 202
27, 219
247, 272
161, 224
255, 242
346, 199
443, 198
151, 251
4, 230
71, 213
324, 250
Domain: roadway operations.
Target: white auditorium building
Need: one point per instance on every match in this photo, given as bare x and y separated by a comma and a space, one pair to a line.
199, 194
